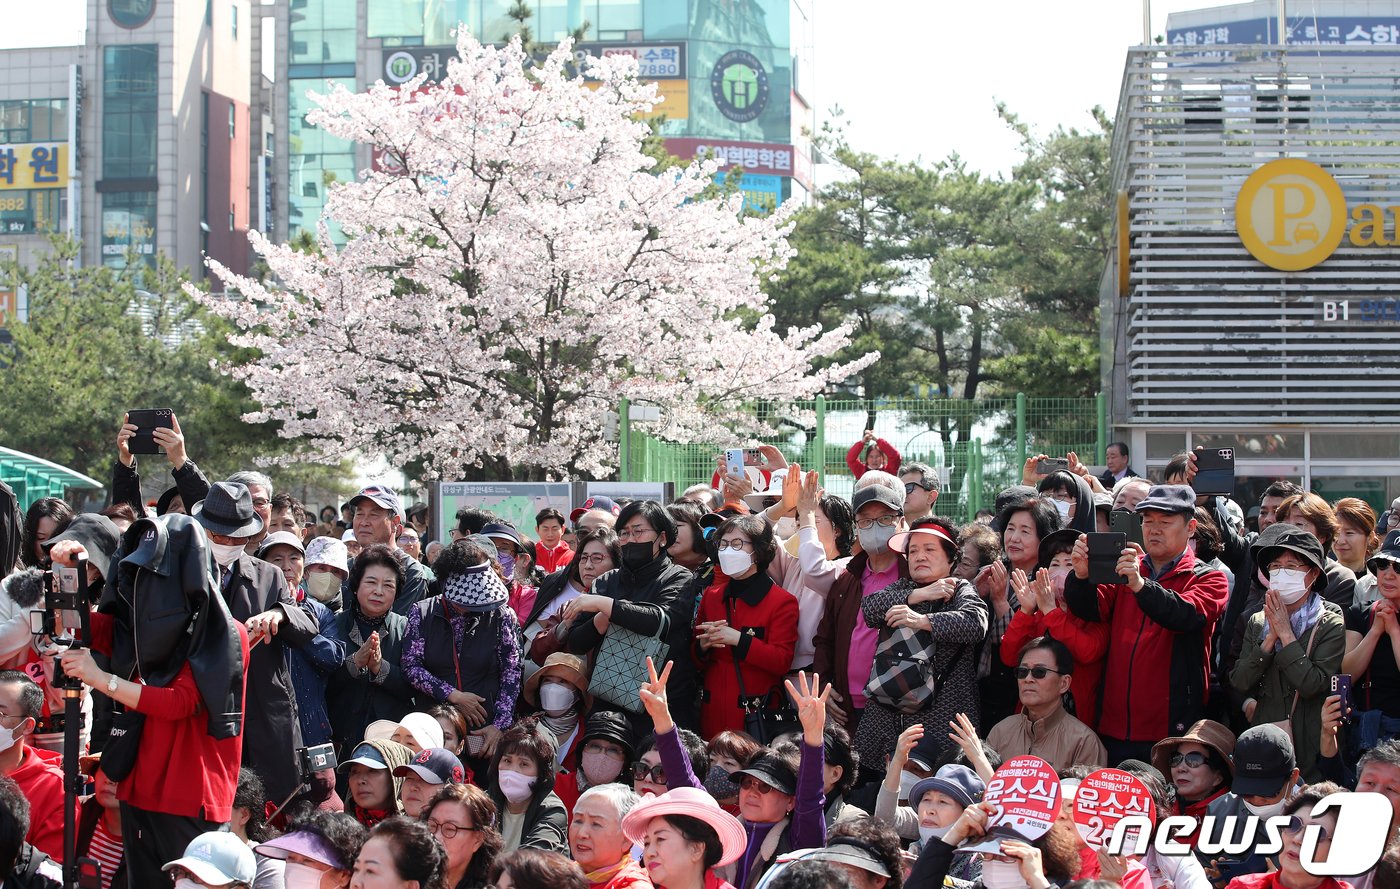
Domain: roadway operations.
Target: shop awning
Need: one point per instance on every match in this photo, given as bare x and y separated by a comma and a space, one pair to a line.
34, 478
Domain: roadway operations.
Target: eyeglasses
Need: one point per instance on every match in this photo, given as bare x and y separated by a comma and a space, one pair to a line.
884, 521
744, 546
1037, 672
261, 501
1191, 760
594, 558
596, 747
447, 828
1295, 824
753, 785
638, 535
910, 486
655, 774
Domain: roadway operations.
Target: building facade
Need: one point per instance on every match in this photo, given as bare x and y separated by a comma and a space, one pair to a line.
1252, 302
735, 75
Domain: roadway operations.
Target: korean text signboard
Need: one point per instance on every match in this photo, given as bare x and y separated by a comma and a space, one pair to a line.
1106, 797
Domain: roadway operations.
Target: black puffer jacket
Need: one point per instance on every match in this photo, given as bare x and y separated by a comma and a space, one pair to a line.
168, 611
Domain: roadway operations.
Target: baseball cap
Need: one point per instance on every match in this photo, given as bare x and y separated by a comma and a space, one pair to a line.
953, 780
380, 495
280, 538
600, 502
1264, 760
366, 755
1178, 499
218, 858
1389, 552
771, 770
436, 765
877, 494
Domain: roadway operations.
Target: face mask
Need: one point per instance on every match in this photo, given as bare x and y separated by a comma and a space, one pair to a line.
876, 539
1268, 811
8, 736
507, 563
1289, 584
1002, 875
301, 876
514, 786
907, 780
720, 784
734, 562
323, 586
600, 768
1057, 580
636, 555
187, 883
1063, 509
556, 699
225, 553
929, 833
785, 527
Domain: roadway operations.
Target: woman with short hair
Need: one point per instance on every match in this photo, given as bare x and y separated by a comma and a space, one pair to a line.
463, 819
536, 869
1356, 540
400, 854
597, 842
521, 782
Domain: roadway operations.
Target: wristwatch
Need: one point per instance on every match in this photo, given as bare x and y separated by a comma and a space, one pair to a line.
111, 683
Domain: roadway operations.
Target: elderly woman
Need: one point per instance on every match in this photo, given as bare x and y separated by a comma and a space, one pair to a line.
327, 567
1199, 766
319, 849
947, 620
1291, 872
596, 840
370, 684
685, 837
1293, 646
463, 819
462, 646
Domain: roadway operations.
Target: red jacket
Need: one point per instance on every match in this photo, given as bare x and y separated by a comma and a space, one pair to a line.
1270, 881
566, 781
180, 769
767, 636
41, 782
858, 468
1086, 641
1156, 674
551, 560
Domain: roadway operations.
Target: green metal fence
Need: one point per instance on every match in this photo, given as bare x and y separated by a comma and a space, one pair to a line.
978, 446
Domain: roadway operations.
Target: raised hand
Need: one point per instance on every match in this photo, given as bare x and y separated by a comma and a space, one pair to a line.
809, 495
792, 488
811, 707
964, 734
653, 695
1043, 588
173, 440
124, 436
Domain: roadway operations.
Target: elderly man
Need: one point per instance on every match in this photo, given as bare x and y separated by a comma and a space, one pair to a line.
1043, 728
1157, 669
1116, 456
378, 517
920, 490
596, 840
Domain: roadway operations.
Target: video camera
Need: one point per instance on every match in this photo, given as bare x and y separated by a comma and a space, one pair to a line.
67, 609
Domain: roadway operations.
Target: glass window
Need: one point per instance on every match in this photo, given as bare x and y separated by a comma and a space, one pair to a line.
130, 13
395, 18
495, 25
128, 223
1165, 445
618, 16
1355, 445
232, 118
664, 18
233, 12
1253, 445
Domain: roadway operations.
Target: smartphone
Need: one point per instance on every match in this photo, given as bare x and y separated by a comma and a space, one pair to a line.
1051, 464
1129, 523
734, 461
1215, 472
1105, 548
752, 457
146, 423
1341, 685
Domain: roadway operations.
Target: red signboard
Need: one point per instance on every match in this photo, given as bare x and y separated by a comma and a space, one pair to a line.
1106, 797
771, 158
1026, 793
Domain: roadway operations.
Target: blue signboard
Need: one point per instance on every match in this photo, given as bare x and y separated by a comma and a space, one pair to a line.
762, 193
1376, 30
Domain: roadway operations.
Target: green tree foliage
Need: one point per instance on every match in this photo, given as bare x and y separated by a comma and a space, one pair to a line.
98, 343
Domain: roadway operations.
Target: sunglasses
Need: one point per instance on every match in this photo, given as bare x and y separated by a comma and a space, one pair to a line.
910, 486
753, 785
655, 774
1037, 672
1296, 824
1190, 760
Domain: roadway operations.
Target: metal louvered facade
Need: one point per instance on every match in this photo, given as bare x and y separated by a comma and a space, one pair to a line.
1205, 335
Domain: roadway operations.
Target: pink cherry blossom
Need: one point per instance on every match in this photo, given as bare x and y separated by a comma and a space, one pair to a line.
519, 272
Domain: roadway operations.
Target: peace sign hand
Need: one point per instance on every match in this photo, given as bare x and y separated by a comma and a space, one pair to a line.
653, 695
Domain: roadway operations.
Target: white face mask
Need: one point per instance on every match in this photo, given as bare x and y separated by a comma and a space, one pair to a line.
225, 553
323, 586
187, 883
1002, 875
785, 527
1268, 811
907, 780
301, 876
1063, 508
555, 698
8, 736
928, 833
1289, 583
734, 561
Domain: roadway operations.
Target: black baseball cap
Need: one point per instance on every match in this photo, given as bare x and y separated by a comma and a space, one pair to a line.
1264, 761
771, 770
1389, 552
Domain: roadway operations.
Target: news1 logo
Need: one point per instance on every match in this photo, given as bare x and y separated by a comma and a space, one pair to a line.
1358, 840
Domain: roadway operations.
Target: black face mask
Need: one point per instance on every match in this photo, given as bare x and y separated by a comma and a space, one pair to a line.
635, 555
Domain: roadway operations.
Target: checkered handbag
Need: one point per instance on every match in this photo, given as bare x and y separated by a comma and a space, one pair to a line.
902, 676
621, 668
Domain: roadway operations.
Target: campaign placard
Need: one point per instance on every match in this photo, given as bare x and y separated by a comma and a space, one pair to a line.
1026, 793
1106, 797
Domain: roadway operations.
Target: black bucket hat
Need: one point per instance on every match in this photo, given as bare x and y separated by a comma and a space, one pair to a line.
98, 536
1049, 542
1283, 536
228, 510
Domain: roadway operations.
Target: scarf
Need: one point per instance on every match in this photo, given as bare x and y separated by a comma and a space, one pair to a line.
1304, 618
561, 726
604, 874
476, 589
366, 624
370, 817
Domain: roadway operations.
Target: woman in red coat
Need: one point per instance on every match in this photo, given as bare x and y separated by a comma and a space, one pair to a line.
744, 619
1042, 612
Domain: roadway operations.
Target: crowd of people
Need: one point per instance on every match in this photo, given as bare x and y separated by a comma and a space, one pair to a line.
758, 684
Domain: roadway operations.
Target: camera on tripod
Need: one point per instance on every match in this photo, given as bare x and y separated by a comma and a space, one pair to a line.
64, 620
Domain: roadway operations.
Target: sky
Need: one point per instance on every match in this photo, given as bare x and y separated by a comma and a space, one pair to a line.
915, 78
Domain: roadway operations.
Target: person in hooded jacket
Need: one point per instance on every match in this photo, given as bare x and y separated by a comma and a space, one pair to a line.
257, 595
178, 662
521, 784
643, 595
373, 787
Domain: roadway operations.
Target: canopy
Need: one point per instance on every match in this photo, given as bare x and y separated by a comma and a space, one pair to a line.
34, 478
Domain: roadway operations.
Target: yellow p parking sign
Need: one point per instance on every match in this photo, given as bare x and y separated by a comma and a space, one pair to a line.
1291, 214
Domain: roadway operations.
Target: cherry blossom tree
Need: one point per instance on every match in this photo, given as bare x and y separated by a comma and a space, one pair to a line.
513, 267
